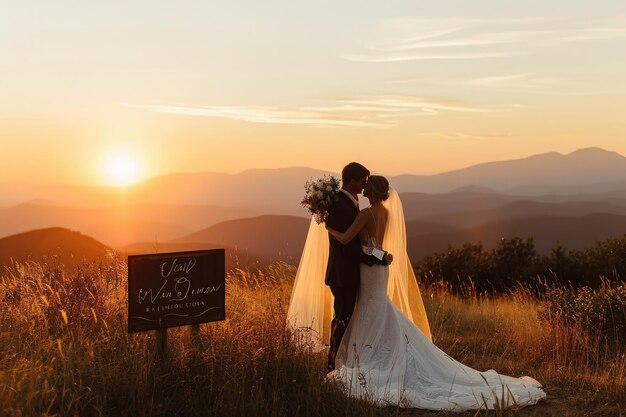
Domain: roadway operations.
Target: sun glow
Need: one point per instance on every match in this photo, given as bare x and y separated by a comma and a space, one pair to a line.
121, 168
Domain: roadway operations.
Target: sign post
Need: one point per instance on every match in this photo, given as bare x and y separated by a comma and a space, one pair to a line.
162, 344
175, 289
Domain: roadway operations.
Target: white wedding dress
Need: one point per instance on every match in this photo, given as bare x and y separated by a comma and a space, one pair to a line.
386, 355
386, 359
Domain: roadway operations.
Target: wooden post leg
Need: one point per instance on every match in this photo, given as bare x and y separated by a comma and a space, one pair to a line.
162, 344
195, 332
193, 336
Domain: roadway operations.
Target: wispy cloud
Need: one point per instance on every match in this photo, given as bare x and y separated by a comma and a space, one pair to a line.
418, 57
522, 83
378, 111
336, 116
469, 136
484, 39
592, 34
498, 80
452, 38
407, 39
429, 105
527, 83
408, 31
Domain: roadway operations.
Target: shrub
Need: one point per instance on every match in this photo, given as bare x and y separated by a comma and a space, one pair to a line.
600, 313
515, 262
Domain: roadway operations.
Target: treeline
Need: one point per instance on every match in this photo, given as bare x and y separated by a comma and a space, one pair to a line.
472, 268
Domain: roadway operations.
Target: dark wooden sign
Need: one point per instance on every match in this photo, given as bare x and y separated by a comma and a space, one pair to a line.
175, 289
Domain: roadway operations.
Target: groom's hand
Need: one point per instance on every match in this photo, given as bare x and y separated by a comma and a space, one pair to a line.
370, 260
388, 257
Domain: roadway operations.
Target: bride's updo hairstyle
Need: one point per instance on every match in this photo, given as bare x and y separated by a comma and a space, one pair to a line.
378, 187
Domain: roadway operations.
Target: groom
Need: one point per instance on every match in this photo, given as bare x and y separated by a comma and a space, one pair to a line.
343, 269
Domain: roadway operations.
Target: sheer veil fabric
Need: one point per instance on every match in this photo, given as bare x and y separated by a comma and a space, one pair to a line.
311, 307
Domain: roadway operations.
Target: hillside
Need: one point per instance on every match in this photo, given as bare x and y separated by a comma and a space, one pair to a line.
571, 232
68, 247
466, 217
282, 237
234, 258
119, 225
423, 205
269, 237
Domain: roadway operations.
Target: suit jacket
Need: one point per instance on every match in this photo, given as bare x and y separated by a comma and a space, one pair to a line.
343, 269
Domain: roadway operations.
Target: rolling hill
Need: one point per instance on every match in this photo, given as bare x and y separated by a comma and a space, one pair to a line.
282, 237
269, 237
119, 225
68, 247
572, 232
524, 209
427, 206
234, 258
259, 240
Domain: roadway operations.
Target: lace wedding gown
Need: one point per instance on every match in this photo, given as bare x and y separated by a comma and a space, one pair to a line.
387, 359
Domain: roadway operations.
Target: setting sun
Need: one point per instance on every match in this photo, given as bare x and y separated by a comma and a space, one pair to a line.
121, 169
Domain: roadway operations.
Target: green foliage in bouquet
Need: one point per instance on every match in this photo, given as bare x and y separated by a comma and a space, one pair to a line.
320, 195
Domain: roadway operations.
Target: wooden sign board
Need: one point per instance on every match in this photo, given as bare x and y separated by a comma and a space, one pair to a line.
175, 289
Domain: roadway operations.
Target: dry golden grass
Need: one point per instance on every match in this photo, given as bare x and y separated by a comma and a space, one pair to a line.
65, 350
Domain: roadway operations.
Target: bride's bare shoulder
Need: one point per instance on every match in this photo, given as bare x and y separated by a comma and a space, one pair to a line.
366, 212
380, 211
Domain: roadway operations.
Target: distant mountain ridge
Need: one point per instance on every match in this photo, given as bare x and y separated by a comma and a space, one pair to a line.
274, 191
589, 170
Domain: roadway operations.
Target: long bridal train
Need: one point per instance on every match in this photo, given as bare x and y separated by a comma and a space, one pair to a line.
385, 358
386, 355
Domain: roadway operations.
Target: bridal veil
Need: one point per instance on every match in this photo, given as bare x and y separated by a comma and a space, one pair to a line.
311, 307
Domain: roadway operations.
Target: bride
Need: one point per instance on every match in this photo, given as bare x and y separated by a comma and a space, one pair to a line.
386, 354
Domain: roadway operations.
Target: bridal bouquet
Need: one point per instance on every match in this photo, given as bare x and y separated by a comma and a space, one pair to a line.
320, 196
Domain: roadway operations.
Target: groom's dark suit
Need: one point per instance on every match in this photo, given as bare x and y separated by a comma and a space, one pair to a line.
343, 274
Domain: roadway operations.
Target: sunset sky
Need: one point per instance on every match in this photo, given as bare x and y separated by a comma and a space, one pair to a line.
91, 90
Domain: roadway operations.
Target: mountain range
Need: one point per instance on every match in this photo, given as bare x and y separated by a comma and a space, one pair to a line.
585, 171
576, 199
274, 191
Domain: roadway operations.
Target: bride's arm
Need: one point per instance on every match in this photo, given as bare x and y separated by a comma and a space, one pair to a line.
356, 226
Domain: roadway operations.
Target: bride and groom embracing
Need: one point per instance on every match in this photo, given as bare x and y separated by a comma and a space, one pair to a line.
379, 336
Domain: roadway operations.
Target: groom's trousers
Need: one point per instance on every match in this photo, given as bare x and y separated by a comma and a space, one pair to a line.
345, 299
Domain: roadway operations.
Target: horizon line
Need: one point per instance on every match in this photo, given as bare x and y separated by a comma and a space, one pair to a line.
173, 173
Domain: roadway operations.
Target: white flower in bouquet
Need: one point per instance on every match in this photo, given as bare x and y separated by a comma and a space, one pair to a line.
320, 196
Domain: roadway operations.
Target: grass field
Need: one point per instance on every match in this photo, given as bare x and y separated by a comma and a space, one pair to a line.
65, 350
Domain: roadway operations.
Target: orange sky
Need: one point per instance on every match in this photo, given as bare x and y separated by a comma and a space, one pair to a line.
402, 88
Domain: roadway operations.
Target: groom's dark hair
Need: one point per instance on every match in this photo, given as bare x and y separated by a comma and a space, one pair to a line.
353, 171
